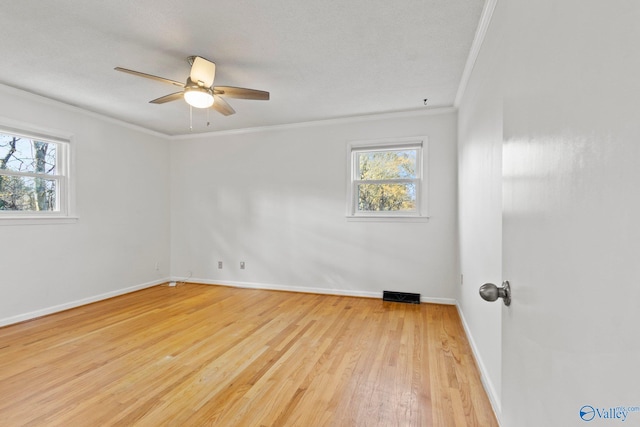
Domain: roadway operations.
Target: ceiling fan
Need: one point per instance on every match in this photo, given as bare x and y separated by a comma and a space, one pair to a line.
199, 91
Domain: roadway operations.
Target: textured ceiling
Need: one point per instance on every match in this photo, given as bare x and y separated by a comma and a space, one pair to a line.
318, 59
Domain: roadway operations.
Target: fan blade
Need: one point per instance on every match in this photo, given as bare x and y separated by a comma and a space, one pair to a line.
149, 76
242, 93
168, 98
203, 70
221, 106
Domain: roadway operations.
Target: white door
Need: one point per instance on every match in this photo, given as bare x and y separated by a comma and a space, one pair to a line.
571, 215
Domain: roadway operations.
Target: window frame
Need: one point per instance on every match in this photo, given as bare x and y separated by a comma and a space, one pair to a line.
65, 194
393, 144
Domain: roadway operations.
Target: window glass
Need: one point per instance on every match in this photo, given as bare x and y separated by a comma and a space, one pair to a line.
387, 197
27, 194
22, 154
387, 164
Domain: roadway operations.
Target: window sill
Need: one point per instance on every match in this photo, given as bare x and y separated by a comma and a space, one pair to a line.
37, 220
398, 218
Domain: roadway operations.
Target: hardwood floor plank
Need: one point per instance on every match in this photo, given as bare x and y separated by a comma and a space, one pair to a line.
198, 355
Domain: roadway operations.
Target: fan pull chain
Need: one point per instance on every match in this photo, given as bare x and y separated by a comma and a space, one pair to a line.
208, 122
190, 118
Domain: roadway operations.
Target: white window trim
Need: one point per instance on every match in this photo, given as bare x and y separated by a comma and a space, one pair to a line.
65, 164
421, 187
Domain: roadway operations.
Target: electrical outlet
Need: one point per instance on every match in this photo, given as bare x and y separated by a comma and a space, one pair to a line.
219, 264
241, 265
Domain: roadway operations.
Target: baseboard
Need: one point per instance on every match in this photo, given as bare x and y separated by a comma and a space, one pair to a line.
484, 377
443, 301
73, 304
306, 290
250, 285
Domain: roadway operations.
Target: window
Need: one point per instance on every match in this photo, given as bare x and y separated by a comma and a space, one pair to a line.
34, 174
386, 179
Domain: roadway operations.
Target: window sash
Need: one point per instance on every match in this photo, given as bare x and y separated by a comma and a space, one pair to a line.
356, 205
60, 200
392, 145
356, 171
7, 172
387, 181
61, 177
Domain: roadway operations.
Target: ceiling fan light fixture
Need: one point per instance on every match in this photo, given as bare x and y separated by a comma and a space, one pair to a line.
198, 91
198, 97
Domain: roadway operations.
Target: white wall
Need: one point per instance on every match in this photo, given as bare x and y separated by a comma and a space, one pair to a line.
276, 199
480, 204
123, 209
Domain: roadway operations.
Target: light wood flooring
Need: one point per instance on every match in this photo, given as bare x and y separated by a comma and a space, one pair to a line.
199, 355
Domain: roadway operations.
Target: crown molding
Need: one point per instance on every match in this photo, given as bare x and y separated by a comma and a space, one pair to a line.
325, 122
299, 125
79, 110
478, 40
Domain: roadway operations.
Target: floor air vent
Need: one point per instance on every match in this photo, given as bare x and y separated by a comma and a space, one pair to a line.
401, 297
